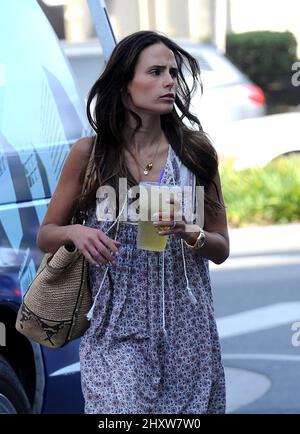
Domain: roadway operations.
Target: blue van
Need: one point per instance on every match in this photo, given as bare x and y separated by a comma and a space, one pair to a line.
41, 115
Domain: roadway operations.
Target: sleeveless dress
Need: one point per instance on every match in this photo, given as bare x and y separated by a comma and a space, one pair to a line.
152, 345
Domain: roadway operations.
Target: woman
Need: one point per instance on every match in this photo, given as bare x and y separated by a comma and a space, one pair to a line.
152, 345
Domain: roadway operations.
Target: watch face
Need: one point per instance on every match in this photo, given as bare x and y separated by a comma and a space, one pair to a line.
201, 239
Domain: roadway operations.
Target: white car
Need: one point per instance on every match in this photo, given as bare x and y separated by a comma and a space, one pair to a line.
257, 141
228, 95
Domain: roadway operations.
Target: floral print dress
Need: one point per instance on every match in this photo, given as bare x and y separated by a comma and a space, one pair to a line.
152, 345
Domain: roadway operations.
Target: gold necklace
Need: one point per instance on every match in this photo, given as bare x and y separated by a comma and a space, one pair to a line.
148, 167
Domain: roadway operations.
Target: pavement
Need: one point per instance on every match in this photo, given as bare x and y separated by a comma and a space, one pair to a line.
253, 248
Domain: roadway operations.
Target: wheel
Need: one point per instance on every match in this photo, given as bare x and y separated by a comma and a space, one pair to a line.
13, 398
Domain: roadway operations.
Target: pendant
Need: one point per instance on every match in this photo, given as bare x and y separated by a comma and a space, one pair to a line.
148, 168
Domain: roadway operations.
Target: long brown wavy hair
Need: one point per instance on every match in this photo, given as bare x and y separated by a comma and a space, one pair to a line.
109, 114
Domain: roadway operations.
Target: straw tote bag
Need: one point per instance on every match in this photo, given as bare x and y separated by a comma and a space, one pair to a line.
54, 307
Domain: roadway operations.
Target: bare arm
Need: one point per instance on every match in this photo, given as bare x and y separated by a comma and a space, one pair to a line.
55, 229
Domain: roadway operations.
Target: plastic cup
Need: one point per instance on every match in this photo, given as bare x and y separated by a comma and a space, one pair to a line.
152, 199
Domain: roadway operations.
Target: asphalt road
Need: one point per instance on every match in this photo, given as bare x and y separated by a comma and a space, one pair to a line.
257, 302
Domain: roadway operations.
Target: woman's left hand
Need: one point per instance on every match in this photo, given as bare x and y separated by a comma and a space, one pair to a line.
177, 225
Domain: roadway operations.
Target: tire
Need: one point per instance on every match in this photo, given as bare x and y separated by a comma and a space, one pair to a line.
13, 399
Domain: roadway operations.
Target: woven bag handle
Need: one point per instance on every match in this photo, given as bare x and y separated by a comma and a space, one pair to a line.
83, 212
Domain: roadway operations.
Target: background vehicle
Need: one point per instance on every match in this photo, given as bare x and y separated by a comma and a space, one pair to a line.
41, 115
228, 95
257, 141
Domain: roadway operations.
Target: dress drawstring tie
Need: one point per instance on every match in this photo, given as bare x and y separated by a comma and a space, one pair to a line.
90, 312
188, 288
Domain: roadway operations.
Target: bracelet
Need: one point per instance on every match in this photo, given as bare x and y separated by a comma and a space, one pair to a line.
199, 241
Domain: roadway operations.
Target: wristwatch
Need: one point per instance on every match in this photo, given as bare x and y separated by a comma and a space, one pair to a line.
199, 241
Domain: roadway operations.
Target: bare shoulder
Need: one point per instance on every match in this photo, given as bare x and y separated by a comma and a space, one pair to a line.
82, 147
79, 155
69, 186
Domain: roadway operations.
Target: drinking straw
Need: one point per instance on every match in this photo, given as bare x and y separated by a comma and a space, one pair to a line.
161, 174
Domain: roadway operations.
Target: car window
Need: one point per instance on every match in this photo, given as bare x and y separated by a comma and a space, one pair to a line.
221, 65
203, 63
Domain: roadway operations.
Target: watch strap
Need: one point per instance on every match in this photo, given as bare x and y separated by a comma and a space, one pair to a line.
199, 241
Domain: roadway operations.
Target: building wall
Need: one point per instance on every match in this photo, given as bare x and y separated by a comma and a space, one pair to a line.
124, 16
188, 19
178, 23
197, 20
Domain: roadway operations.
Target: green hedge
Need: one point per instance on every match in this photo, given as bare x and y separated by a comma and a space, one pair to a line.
258, 196
263, 55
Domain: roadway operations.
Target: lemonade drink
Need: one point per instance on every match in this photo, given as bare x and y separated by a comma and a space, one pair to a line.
152, 199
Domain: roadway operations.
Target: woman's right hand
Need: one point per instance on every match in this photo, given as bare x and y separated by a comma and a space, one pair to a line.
96, 247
